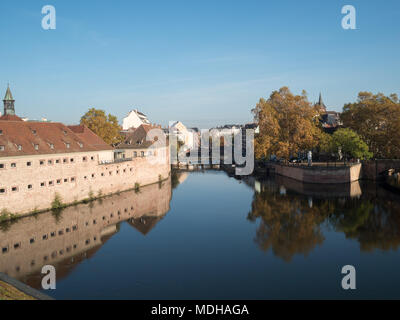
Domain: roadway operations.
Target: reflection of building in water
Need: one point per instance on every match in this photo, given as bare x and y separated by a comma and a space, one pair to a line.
78, 232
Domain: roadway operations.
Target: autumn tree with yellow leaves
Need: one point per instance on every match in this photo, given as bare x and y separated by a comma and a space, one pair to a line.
105, 126
288, 124
376, 119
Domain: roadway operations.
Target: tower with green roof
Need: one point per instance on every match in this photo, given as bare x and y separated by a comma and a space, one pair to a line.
8, 101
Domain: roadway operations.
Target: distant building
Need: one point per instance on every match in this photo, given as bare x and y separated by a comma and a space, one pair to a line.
330, 120
134, 120
184, 135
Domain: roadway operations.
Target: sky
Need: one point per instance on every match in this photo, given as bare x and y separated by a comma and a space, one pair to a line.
205, 63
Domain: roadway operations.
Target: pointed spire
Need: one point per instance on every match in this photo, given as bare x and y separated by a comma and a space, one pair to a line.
8, 96
320, 102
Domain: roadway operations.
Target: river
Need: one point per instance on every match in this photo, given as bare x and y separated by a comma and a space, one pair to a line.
209, 236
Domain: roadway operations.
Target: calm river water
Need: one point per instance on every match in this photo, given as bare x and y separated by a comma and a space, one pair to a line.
209, 236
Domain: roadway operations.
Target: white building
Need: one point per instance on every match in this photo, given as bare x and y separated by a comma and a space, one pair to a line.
183, 134
134, 120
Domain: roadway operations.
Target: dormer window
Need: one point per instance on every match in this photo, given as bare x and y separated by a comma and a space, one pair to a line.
2, 148
36, 147
19, 147
67, 145
34, 132
65, 132
80, 144
51, 145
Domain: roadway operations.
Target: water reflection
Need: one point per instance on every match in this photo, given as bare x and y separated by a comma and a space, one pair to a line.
66, 238
293, 216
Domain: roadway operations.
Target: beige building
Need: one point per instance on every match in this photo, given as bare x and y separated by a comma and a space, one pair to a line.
41, 159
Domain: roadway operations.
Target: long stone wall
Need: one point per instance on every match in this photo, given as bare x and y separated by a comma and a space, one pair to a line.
320, 174
74, 177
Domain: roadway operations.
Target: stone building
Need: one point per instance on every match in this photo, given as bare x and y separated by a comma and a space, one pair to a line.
41, 159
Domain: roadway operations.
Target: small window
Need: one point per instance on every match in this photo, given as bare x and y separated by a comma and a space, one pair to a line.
17, 245
72, 179
50, 162
45, 237
36, 147
72, 160
65, 132
142, 154
67, 145
53, 234
2, 190
1, 132
32, 241
19, 147
92, 158
135, 154
28, 164
2, 165
51, 146
67, 230
65, 160
2, 148
80, 144
4, 250
14, 189
13, 165
85, 177
102, 174
30, 187
84, 159
65, 180
59, 181
60, 233
43, 184
58, 161
93, 175
51, 183
41, 162
34, 132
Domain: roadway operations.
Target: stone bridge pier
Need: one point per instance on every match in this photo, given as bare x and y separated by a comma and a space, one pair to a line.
377, 169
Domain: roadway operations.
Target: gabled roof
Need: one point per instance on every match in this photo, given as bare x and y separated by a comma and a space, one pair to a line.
137, 139
20, 138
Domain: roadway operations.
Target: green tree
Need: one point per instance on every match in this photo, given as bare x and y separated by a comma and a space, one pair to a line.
350, 144
105, 126
288, 124
376, 118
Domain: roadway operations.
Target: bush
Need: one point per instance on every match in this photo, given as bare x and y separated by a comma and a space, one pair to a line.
57, 202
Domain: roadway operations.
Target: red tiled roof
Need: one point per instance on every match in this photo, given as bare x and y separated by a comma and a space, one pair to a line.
90, 137
19, 138
9, 117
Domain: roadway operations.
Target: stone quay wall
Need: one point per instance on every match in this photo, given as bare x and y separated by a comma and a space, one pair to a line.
320, 174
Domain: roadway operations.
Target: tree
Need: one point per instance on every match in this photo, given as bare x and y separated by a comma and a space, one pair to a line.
288, 124
105, 126
376, 118
350, 144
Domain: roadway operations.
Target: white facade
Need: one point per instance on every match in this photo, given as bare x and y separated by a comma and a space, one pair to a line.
134, 119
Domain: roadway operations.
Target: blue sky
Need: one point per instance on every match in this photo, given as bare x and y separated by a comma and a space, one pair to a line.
201, 62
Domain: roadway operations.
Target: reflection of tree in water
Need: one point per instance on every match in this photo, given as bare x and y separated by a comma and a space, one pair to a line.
289, 225
373, 225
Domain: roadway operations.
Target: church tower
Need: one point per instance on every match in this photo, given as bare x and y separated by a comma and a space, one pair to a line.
8, 101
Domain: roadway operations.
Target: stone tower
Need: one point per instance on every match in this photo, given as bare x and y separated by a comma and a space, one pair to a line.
8, 101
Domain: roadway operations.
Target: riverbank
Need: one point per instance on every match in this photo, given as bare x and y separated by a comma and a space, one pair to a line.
12, 289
